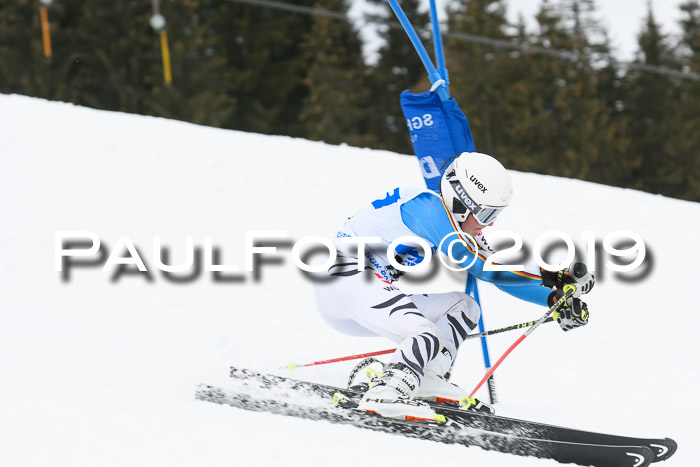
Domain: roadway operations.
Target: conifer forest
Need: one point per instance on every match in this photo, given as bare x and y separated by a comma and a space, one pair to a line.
552, 98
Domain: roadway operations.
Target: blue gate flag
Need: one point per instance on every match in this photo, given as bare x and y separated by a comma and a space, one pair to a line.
439, 130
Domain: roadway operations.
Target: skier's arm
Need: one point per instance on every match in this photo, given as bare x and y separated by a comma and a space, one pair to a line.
427, 217
577, 274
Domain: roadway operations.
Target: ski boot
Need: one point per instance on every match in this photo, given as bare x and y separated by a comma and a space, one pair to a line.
437, 388
392, 395
364, 374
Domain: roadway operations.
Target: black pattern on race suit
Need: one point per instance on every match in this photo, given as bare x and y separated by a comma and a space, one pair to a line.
345, 266
421, 325
423, 348
461, 326
415, 351
394, 300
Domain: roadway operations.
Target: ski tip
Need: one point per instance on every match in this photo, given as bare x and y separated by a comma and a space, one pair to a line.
291, 366
651, 457
667, 450
640, 456
663, 449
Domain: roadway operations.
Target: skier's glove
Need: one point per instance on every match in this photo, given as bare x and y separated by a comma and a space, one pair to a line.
576, 274
570, 315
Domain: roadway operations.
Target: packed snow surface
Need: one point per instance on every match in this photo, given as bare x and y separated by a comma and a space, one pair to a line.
99, 367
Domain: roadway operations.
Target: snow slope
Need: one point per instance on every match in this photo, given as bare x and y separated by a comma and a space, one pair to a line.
97, 370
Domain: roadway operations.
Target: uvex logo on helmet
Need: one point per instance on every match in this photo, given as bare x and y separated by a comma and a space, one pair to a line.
478, 184
468, 202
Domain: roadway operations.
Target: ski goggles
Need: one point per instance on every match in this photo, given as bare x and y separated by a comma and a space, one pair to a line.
484, 215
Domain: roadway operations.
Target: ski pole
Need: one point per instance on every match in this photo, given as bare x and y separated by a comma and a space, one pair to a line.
473, 290
512, 327
291, 366
569, 290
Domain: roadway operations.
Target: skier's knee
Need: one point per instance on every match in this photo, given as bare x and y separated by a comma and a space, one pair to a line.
465, 310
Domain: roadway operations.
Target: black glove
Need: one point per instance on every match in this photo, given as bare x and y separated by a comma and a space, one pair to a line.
570, 315
576, 274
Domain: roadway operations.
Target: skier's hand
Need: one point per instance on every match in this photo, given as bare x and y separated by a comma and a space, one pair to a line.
576, 274
570, 315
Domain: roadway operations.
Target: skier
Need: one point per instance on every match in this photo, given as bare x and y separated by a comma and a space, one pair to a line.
429, 328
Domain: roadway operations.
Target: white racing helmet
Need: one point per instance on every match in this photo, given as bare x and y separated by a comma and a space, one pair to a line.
476, 183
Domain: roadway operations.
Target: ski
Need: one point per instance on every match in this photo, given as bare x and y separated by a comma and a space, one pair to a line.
449, 432
663, 448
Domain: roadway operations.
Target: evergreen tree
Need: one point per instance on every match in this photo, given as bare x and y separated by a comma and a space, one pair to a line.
198, 93
477, 83
337, 96
652, 109
690, 23
611, 164
110, 56
23, 67
107, 56
20, 49
397, 69
563, 124
598, 133
517, 142
687, 140
265, 65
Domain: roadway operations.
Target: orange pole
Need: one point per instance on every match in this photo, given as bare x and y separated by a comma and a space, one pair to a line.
45, 32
